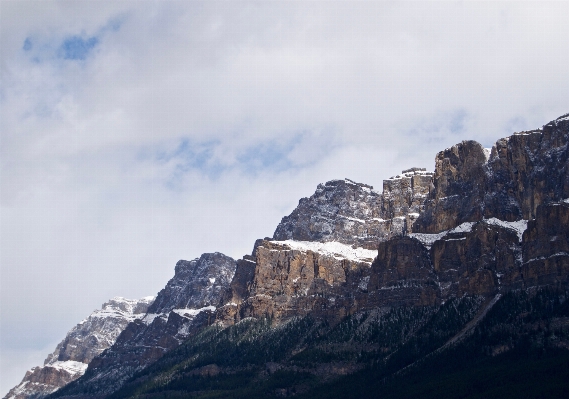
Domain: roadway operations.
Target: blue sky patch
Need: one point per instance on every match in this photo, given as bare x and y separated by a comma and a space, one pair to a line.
271, 155
457, 121
77, 48
27, 44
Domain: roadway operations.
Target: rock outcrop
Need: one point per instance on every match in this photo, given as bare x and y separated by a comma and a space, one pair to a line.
196, 284
293, 278
353, 213
82, 344
402, 274
520, 173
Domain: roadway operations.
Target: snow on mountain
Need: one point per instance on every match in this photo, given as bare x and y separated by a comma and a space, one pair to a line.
332, 248
427, 240
82, 343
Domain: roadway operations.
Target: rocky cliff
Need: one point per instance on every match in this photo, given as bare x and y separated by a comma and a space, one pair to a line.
508, 182
82, 344
468, 218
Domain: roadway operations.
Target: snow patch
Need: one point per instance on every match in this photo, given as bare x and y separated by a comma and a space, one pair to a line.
363, 283
72, 367
353, 219
332, 248
465, 227
186, 312
519, 226
149, 317
427, 239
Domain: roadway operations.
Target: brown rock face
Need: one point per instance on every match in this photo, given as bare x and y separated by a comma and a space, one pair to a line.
522, 172
467, 219
546, 247
529, 169
402, 274
483, 259
406, 193
459, 183
479, 262
289, 282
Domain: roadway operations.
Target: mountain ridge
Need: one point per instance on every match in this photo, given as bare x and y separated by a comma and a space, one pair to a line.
482, 225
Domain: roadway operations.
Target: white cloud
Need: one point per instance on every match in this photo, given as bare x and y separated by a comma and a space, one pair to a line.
270, 98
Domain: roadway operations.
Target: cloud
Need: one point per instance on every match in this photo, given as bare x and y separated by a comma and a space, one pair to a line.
138, 133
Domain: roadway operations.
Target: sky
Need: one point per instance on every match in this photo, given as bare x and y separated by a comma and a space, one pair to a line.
135, 134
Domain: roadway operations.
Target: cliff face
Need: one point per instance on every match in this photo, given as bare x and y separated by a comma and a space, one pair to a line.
520, 173
546, 247
82, 344
469, 219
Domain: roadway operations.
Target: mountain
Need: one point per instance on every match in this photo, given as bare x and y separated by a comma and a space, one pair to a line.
81, 345
187, 303
420, 290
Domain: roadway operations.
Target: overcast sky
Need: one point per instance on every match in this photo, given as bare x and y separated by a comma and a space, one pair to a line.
134, 134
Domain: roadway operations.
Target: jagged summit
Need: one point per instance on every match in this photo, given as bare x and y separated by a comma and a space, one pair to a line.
196, 284
82, 344
353, 213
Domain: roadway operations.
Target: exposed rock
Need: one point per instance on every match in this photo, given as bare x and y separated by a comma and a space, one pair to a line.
344, 250
139, 345
297, 278
196, 284
522, 172
402, 274
82, 344
41, 381
477, 262
337, 211
459, 184
546, 247
352, 213
406, 193
528, 169
187, 303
